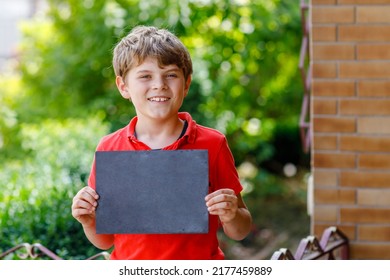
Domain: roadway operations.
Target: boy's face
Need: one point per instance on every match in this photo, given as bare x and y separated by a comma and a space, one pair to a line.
156, 92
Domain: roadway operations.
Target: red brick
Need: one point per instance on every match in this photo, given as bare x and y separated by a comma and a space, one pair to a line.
324, 14
374, 161
332, 160
366, 2
373, 197
359, 143
324, 70
326, 178
364, 107
364, 179
377, 69
373, 233
364, 33
377, 125
323, 2
323, 33
326, 213
365, 215
332, 88
324, 142
333, 52
373, 51
334, 124
324, 106
334, 196
374, 88
374, 14
369, 251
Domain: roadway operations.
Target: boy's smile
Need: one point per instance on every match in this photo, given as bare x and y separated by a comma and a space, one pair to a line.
158, 99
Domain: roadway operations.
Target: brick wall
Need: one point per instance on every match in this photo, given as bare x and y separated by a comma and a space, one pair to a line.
350, 113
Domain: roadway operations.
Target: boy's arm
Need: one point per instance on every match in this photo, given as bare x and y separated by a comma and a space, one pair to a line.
239, 227
231, 209
101, 241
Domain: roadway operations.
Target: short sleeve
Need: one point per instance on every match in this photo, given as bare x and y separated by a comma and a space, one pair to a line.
225, 172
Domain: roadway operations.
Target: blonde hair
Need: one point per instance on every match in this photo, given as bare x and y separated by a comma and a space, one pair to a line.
149, 41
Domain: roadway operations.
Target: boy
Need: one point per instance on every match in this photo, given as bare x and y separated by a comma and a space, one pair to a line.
153, 71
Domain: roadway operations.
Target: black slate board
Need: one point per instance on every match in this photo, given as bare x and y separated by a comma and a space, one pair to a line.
152, 191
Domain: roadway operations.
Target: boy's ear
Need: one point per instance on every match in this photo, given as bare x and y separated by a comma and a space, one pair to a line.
187, 85
122, 87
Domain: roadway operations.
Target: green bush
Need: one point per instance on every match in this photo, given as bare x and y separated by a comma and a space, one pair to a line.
36, 192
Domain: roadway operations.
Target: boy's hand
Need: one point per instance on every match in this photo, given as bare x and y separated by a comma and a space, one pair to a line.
223, 203
84, 206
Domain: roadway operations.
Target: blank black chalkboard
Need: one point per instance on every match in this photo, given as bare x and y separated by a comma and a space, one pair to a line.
152, 191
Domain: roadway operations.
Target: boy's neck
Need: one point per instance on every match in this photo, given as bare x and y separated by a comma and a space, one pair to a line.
158, 135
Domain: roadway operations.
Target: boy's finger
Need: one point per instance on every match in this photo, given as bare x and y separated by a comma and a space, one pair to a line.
218, 192
220, 205
91, 191
88, 195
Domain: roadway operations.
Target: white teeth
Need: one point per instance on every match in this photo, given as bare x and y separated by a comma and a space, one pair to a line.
158, 99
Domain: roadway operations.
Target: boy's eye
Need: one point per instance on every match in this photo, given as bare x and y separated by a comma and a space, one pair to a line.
145, 77
172, 75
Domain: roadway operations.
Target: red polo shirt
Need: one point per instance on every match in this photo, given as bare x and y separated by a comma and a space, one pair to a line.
222, 174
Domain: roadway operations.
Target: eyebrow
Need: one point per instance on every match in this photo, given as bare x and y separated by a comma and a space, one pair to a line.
169, 69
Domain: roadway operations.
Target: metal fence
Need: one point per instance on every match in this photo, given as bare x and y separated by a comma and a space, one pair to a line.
333, 245
35, 251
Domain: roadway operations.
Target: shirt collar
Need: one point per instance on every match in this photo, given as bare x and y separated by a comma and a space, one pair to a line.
189, 136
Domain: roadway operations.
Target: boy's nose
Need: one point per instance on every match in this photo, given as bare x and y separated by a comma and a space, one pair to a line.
159, 83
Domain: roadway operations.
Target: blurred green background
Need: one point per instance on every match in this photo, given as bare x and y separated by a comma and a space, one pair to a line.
60, 99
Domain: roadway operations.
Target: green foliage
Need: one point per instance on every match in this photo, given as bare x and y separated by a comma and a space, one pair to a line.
9, 143
62, 98
37, 191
